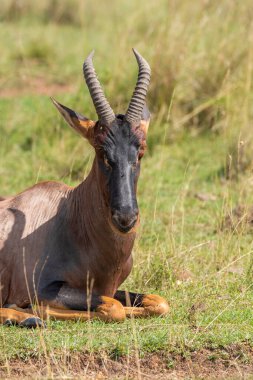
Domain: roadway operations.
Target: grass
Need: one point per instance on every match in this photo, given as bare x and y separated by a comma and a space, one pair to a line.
200, 144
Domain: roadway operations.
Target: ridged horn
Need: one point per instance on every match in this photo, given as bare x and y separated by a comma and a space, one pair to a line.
103, 109
135, 108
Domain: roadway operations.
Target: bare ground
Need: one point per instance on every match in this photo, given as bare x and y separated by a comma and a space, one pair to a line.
234, 362
35, 86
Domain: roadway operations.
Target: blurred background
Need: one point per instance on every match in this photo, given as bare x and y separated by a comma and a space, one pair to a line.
200, 54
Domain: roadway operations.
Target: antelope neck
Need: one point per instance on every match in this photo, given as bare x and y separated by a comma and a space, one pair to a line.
90, 217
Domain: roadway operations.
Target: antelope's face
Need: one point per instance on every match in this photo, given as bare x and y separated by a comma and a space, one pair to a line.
119, 142
119, 150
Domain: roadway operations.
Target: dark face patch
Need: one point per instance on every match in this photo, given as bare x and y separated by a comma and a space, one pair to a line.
119, 149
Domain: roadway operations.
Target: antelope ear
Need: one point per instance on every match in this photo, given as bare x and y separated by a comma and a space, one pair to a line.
145, 119
79, 123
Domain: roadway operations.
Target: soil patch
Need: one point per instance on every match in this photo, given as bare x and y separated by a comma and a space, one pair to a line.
37, 86
232, 362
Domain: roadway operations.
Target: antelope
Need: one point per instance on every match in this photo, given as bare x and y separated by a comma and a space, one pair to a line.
64, 251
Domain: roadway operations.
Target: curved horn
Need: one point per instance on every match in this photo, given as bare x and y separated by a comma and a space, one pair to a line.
135, 108
103, 109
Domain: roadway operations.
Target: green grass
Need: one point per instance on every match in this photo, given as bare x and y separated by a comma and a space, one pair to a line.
201, 95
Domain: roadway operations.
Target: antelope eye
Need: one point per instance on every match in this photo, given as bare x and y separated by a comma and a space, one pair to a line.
134, 164
106, 162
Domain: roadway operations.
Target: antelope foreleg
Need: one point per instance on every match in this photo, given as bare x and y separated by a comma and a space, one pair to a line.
11, 317
109, 310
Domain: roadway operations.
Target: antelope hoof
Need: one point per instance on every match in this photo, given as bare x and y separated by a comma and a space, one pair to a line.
32, 323
155, 305
111, 310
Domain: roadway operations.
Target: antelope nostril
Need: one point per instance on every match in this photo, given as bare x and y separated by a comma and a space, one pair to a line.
134, 219
124, 221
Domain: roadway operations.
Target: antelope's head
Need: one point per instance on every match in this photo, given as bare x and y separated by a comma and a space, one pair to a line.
119, 142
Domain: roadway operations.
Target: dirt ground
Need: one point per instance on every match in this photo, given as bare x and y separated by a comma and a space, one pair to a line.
235, 362
36, 86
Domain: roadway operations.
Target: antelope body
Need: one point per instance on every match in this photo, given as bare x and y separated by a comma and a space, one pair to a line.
68, 250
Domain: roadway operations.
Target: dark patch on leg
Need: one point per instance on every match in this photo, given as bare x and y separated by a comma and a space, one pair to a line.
60, 295
129, 298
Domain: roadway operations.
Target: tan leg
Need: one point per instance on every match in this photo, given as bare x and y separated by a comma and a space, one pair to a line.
155, 305
15, 317
151, 305
110, 310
